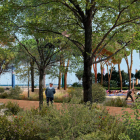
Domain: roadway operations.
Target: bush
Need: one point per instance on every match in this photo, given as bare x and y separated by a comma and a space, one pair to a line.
76, 95
15, 92
76, 84
98, 93
18, 129
132, 124
118, 102
113, 83
2, 106
4, 95
69, 122
13, 107
78, 121
1, 89
63, 99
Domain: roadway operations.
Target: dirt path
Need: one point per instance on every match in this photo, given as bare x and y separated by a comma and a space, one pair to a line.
29, 104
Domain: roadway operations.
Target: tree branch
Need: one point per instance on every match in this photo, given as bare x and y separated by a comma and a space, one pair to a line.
27, 50
112, 54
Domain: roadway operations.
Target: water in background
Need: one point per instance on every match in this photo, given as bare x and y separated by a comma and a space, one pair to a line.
26, 85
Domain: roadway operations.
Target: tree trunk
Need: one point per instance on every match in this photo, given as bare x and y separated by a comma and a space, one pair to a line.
120, 75
109, 75
129, 74
129, 69
28, 83
87, 77
41, 74
60, 76
59, 80
65, 81
32, 74
65, 76
102, 71
108, 83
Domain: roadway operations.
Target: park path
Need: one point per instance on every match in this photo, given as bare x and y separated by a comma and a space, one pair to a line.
35, 104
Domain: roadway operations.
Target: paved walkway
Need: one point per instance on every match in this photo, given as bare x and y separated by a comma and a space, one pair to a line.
29, 104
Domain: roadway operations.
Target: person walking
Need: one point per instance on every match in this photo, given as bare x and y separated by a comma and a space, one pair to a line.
137, 94
49, 92
129, 95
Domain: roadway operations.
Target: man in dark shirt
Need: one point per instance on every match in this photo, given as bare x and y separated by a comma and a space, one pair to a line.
129, 95
49, 92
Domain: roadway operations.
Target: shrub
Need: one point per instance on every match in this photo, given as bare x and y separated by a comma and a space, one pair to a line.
132, 124
4, 127
118, 102
76, 95
34, 111
15, 92
78, 121
4, 95
69, 122
113, 83
98, 93
76, 84
13, 107
1, 89
19, 129
2, 106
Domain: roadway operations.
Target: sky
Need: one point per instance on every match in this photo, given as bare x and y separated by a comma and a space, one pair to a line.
6, 79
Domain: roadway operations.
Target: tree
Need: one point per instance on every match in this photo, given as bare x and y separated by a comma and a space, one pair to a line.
87, 13
22, 59
44, 54
137, 75
6, 58
23, 73
69, 61
87, 23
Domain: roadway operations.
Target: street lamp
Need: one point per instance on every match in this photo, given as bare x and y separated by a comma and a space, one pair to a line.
13, 77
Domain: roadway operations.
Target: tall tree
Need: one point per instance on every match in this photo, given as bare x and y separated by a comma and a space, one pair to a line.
129, 67
87, 22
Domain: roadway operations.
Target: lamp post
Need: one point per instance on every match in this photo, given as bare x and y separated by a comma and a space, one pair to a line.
13, 77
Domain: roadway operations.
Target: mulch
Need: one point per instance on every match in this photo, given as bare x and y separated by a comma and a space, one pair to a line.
25, 104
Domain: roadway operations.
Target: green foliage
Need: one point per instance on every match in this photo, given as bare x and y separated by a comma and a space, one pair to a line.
34, 111
6, 57
113, 83
69, 122
79, 74
137, 75
4, 95
98, 93
15, 92
2, 106
19, 129
118, 102
78, 122
132, 123
123, 136
13, 107
76, 95
76, 84
4, 127
1, 89
64, 99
